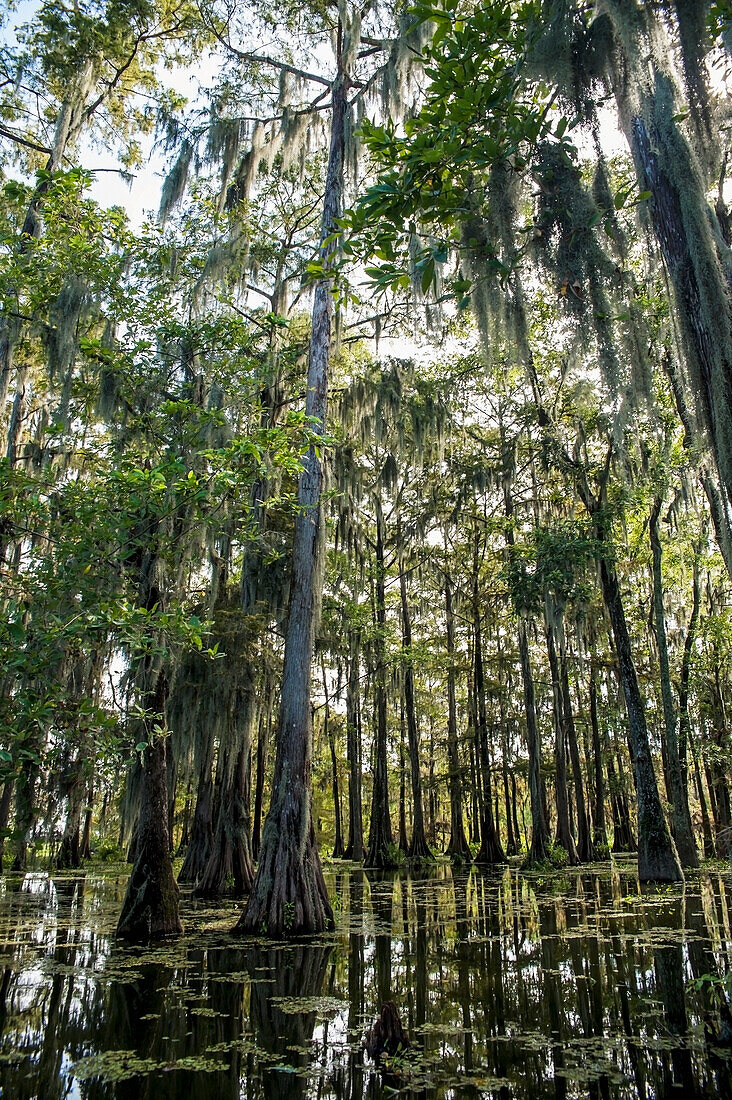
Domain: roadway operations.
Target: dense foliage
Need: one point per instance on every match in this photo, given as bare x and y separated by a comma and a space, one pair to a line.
386, 476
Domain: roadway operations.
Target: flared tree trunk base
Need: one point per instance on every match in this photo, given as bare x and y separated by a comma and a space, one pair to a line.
657, 857
195, 861
585, 850
458, 849
566, 841
69, 854
419, 849
200, 843
537, 853
289, 897
491, 850
380, 856
623, 840
229, 872
150, 907
356, 853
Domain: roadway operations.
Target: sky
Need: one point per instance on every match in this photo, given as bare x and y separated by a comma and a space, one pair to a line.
140, 199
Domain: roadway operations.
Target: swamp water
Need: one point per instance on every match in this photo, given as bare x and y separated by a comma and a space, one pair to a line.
510, 985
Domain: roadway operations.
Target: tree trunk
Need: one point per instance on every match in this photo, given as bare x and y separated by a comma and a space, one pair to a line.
539, 828
5, 804
69, 854
86, 851
584, 837
514, 812
265, 721
561, 794
418, 848
512, 844
185, 828
599, 831
150, 906
354, 847
707, 833
657, 858
201, 832
403, 838
623, 837
330, 736
229, 869
490, 851
457, 848
691, 252
380, 835
289, 896
25, 812
681, 816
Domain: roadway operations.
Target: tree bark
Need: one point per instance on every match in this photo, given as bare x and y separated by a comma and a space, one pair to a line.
5, 804
691, 254
201, 831
539, 829
354, 847
150, 906
229, 869
265, 723
584, 838
418, 848
679, 795
403, 838
86, 851
599, 830
289, 896
25, 811
657, 857
330, 736
490, 851
380, 835
457, 849
69, 854
561, 794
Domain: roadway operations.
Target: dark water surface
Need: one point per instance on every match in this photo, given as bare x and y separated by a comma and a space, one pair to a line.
578, 985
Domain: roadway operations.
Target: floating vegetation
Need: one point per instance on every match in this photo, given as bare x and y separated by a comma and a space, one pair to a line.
501, 985
323, 1007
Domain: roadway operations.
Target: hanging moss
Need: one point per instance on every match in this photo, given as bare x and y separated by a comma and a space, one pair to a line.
64, 316
691, 19
569, 247
175, 182
224, 140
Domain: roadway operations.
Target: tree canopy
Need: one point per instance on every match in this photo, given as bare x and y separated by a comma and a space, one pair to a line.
375, 495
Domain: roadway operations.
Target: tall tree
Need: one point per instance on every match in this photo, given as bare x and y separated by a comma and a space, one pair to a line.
288, 895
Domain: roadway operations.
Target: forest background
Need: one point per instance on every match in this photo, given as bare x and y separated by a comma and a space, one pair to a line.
492, 244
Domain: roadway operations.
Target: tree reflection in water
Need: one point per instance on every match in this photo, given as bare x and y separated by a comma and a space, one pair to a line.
510, 986
280, 978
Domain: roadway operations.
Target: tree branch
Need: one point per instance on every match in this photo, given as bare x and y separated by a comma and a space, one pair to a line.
5, 132
262, 59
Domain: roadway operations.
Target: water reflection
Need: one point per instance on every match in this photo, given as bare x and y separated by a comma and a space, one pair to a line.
509, 986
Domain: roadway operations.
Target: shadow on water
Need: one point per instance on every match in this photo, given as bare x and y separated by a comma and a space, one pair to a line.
508, 985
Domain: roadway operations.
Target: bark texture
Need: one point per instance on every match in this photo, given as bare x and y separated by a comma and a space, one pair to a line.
457, 848
380, 835
354, 846
289, 897
418, 847
678, 791
657, 857
150, 906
